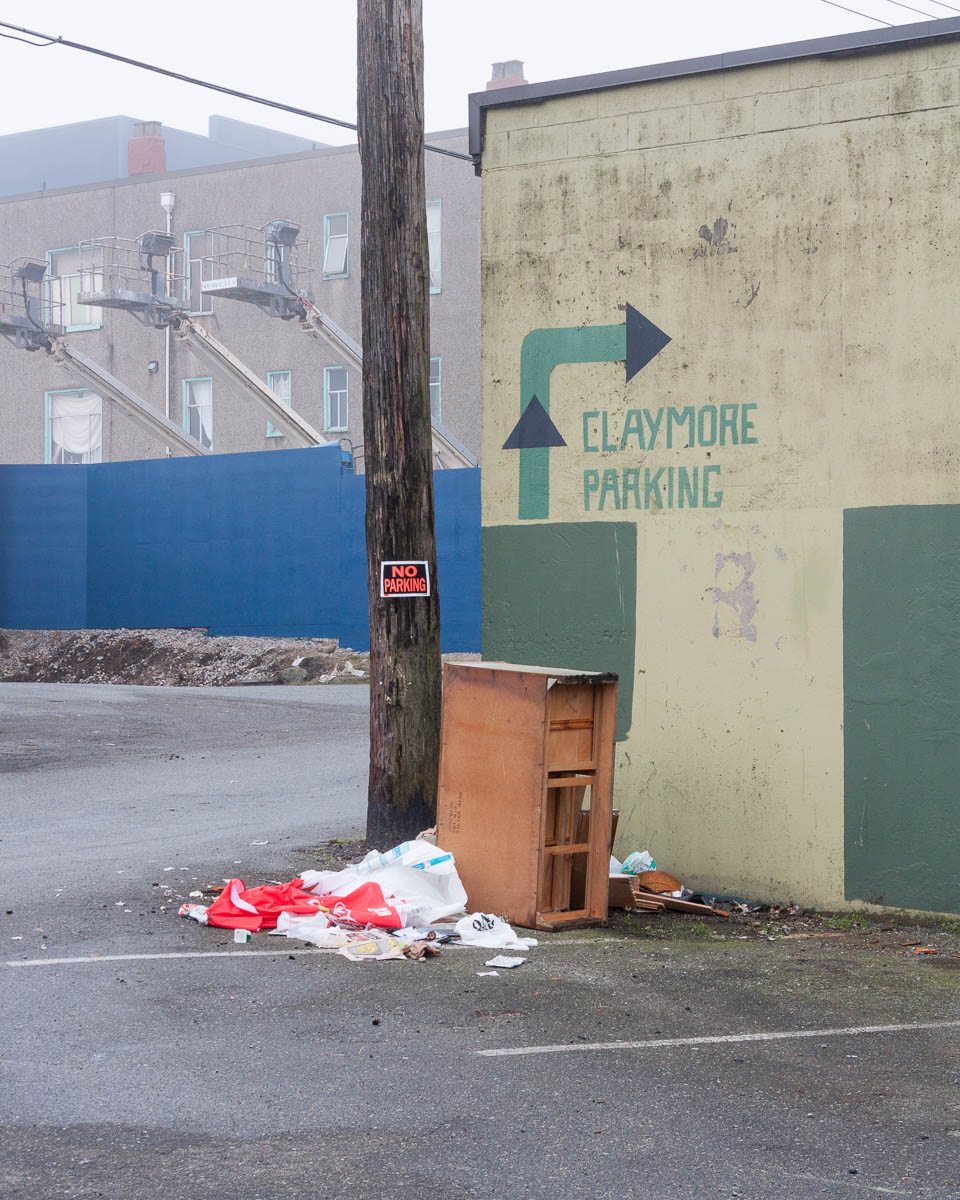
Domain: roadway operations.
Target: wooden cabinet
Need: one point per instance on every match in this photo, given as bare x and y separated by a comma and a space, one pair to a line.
526, 776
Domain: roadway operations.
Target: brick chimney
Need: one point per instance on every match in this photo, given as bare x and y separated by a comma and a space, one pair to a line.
506, 74
147, 150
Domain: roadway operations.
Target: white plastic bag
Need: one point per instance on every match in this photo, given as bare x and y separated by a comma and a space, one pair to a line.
638, 862
484, 929
418, 879
316, 929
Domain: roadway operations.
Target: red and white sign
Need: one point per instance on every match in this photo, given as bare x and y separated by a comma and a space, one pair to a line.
408, 578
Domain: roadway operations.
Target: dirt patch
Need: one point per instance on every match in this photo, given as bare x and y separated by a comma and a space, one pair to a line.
926, 941
177, 657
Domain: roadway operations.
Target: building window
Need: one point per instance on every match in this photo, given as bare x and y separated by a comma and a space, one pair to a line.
433, 241
198, 410
279, 382
74, 426
70, 272
335, 415
197, 249
435, 389
335, 244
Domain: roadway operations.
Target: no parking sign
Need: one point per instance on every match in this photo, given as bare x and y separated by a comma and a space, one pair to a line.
408, 578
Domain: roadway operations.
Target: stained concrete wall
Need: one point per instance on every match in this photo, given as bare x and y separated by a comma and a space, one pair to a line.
793, 228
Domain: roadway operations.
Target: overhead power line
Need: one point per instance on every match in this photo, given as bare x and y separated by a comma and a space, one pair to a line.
879, 21
910, 8
46, 40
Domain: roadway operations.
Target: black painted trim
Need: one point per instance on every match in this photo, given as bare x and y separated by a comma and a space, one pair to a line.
862, 42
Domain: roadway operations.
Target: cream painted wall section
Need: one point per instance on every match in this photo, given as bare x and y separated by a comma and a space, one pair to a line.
791, 227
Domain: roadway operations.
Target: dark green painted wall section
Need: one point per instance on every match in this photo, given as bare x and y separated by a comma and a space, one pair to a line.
563, 595
901, 678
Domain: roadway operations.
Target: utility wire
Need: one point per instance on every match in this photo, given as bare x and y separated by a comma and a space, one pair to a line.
214, 87
879, 21
910, 8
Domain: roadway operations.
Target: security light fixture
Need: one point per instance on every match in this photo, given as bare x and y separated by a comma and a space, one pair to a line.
156, 243
32, 272
283, 233
153, 367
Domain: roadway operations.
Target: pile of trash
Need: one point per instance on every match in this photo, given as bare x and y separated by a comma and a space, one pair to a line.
636, 885
405, 903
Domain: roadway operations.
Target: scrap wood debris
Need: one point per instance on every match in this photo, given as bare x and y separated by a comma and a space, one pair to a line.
400, 904
636, 885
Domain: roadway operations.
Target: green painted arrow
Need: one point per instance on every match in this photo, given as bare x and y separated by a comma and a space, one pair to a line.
634, 342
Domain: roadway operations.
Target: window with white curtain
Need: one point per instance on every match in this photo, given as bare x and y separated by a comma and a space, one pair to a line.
74, 432
198, 410
433, 241
70, 272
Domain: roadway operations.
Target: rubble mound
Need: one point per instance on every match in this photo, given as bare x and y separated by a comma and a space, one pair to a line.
177, 657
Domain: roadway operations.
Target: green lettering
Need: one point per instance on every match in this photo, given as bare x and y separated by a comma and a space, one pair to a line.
591, 482
688, 491
677, 416
717, 500
586, 433
728, 421
631, 483
633, 425
746, 426
707, 429
653, 426
651, 486
607, 445
611, 483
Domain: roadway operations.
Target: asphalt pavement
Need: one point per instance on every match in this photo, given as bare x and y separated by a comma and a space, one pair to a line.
146, 1056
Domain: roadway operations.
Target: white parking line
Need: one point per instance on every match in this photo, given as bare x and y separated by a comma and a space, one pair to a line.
721, 1039
102, 958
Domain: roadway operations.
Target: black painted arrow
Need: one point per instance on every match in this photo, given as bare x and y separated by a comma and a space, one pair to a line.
534, 430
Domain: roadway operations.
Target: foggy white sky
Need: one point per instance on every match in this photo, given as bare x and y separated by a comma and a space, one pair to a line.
304, 53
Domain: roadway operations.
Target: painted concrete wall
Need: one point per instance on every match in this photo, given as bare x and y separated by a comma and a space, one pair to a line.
793, 228
259, 544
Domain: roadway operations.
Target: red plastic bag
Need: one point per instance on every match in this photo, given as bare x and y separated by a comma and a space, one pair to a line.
365, 905
236, 908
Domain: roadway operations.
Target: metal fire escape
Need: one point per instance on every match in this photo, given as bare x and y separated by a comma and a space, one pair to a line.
264, 267
30, 319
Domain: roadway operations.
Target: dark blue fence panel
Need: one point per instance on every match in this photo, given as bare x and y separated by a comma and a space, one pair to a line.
456, 499
238, 543
43, 547
263, 544
354, 605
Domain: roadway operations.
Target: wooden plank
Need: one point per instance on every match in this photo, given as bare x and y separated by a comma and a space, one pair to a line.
565, 848
571, 742
491, 786
681, 905
601, 801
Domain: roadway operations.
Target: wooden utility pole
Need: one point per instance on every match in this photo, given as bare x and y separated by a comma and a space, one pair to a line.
405, 680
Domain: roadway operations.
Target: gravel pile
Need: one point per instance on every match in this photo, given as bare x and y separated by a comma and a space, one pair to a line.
179, 657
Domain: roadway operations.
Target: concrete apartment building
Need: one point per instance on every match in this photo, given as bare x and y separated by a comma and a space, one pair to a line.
51, 416
756, 522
